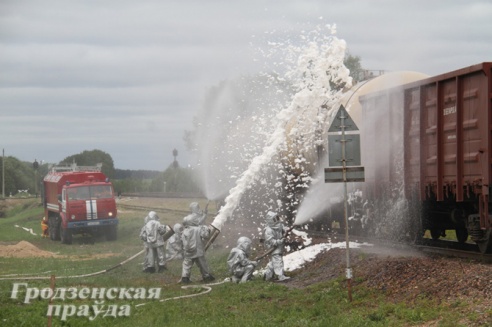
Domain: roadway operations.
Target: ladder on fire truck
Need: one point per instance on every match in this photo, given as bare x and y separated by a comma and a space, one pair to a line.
74, 167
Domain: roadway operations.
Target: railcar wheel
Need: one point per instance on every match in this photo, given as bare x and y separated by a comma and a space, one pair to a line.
462, 235
485, 245
435, 233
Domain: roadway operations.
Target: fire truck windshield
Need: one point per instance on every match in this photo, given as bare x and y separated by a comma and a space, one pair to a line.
90, 192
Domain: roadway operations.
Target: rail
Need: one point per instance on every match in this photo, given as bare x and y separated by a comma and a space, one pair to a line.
156, 209
448, 248
179, 195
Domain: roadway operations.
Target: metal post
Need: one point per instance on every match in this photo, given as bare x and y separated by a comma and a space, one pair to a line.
52, 286
3, 173
344, 176
36, 182
35, 166
175, 165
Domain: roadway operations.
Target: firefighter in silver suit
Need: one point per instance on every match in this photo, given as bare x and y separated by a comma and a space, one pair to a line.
151, 234
274, 238
194, 233
239, 265
174, 245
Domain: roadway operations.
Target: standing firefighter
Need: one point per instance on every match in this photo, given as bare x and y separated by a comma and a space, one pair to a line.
44, 227
194, 233
239, 265
274, 233
143, 237
151, 234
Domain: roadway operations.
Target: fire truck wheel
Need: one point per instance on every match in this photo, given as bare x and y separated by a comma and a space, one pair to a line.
111, 234
66, 235
54, 229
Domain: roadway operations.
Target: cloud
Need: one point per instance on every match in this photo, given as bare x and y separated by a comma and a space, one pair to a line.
127, 77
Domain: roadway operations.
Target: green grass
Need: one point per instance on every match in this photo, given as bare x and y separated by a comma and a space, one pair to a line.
257, 303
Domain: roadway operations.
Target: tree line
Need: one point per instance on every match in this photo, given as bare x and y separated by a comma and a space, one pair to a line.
24, 178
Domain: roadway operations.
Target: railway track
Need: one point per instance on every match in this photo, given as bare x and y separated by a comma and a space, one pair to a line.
428, 246
454, 249
156, 209
473, 255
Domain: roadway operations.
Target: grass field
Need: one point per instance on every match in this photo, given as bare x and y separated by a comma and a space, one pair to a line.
257, 303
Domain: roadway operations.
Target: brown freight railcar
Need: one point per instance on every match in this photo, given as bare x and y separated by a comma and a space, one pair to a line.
435, 140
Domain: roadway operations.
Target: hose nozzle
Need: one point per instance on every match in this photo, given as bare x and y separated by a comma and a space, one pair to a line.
212, 238
168, 234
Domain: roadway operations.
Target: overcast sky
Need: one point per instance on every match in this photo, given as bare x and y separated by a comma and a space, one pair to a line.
127, 77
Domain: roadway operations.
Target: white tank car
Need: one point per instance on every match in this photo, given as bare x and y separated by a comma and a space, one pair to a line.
307, 133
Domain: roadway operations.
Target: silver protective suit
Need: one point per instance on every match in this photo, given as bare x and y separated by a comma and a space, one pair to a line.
143, 237
151, 234
193, 237
174, 245
240, 267
274, 234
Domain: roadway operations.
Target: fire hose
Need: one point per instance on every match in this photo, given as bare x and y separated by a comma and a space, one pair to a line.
206, 287
165, 236
75, 276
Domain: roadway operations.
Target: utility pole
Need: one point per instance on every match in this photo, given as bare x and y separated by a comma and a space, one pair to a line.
35, 166
3, 173
175, 166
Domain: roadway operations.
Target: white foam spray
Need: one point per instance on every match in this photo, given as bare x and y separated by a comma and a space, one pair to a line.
313, 68
231, 130
318, 198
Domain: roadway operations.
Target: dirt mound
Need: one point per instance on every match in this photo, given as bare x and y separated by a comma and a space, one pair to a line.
24, 249
404, 278
408, 278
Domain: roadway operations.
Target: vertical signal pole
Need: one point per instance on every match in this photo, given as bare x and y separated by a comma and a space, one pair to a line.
35, 166
3, 173
339, 152
344, 176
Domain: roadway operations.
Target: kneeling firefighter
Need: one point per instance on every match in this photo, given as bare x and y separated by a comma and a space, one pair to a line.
239, 265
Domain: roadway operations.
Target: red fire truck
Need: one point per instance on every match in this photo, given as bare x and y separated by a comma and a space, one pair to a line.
78, 200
